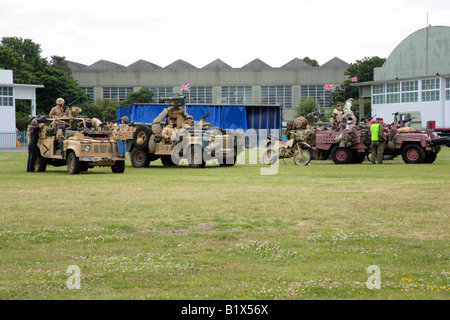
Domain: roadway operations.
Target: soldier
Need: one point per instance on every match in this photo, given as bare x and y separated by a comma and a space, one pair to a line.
178, 116
378, 139
121, 136
58, 110
337, 113
348, 109
168, 133
33, 149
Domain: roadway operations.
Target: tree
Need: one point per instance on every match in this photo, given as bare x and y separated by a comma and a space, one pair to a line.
311, 62
102, 109
305, 106
61, 64
144, 95
23, 57
362, 70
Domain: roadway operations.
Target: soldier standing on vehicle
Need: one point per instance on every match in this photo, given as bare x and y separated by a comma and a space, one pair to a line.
58, 110
121, 136
33, 149
337, 113
378, 139
178, 116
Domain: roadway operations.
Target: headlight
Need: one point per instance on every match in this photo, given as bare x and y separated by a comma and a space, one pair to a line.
87, 148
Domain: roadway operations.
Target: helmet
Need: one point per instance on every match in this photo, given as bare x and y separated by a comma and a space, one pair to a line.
60, 101
125, 119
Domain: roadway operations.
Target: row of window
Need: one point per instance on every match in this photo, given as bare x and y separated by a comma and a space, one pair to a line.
6, 97
410, 91
277, 95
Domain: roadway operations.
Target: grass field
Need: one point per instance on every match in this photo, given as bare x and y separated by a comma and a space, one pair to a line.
308, 232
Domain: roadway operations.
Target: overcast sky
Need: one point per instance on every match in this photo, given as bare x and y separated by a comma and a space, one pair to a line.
235, 31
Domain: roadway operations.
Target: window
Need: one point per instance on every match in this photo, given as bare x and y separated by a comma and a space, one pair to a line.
6, 97
90, 92
447, 89
161, 92
236, 95
279, 95
430, 90
199, 95
392, 93
378, 96
318, 93
116, 94
410, 91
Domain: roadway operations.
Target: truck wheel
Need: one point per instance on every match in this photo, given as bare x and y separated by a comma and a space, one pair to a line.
430, 157
195, 157
142, 135
303, 157
168, 162
413, 154
358, 157
140, 158
73, 164
341, 155
40, 164
269, 157
118, 167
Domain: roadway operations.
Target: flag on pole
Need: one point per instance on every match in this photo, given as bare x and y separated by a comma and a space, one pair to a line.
329, 87
185, 87
354, 79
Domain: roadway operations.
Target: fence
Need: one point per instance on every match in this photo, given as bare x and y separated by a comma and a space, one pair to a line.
13, 141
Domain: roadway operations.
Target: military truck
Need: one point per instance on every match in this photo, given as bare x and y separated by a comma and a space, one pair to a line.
196, 141
78, 142
353, 146
413, 119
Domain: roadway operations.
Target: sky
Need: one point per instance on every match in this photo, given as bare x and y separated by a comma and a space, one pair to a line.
234, 31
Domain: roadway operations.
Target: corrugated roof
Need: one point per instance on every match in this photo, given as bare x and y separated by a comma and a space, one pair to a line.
217, 64
180, 64
76, 65
256, 65
143, 65
336, 62
105, 65
296, 63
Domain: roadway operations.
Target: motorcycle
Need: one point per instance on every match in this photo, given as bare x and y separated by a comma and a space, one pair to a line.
295, 147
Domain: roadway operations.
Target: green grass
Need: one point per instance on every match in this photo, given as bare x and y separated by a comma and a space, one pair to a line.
226, 232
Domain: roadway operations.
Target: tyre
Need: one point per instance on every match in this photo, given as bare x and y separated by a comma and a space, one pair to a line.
341, 155
195, 157
430, 157
358, 157
140, 158
413, 153
303, 157
441, 141
73, 164
142, 135
269, 157
40, 164
119, 167
167, 161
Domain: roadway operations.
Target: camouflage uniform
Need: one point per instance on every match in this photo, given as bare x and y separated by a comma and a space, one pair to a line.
167, 134
178, 116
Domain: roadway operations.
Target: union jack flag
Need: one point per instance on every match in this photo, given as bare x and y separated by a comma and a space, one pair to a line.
329, 87
354, 79
185, 87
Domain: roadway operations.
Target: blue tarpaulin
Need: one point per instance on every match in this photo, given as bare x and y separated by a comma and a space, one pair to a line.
224, 116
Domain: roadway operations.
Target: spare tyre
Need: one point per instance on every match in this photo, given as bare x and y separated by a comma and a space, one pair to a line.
141, 136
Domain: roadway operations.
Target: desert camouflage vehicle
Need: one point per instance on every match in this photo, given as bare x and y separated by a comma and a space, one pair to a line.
78, 142
196, 141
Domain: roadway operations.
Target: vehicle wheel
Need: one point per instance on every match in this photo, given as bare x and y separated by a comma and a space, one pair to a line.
341, 155
168, 162
142, 135
430, 157
413, 153
229, 161
195, 157
118, 167
140, 158
40, 164
303, 157
73, 164
269, 158
358, 157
